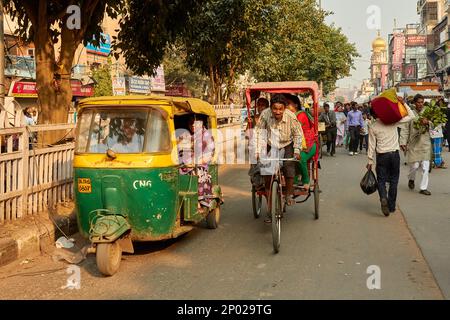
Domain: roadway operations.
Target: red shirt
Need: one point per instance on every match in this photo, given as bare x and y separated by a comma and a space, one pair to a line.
308, 129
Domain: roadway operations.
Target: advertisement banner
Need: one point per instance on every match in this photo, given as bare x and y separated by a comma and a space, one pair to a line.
416, 41
105, 46
178, 90
119, 86
139, 85
25, 89
158, 82
384, 76
398, 52
410, 71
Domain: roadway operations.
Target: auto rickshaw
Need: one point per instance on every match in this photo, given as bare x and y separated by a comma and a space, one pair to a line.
135, 191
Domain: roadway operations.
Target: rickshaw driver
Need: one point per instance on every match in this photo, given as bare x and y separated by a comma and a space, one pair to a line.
279, 128
129, 142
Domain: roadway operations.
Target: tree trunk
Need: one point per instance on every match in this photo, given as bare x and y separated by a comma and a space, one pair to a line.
45, 68
54, 91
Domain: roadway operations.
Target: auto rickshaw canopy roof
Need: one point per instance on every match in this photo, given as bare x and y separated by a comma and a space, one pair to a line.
173, 105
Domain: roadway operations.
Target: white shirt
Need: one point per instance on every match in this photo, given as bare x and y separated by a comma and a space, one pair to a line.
384, 138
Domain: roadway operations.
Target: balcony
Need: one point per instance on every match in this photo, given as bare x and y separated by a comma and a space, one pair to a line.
19, 66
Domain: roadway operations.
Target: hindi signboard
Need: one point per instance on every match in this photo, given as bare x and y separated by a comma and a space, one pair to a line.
119, 86
139, 85
25, 89
158, 83
398, 52
416, 41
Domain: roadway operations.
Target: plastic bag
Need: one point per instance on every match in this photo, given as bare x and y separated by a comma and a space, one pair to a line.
369, 183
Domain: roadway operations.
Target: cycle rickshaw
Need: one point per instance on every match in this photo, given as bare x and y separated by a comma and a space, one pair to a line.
277, 192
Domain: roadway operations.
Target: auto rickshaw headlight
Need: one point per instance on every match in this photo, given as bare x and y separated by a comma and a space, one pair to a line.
111, 154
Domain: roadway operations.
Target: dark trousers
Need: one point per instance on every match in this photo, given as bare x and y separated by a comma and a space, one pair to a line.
447, 136
388, 171
354, 138
331, 140
363, 142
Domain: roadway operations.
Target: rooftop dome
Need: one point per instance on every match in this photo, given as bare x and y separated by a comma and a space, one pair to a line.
379, 44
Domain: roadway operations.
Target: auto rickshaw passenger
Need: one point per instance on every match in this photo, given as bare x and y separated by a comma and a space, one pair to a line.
278, 128
196, 150
309, 150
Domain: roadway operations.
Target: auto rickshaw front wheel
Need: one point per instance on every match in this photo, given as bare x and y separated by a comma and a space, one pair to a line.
108, 258
213, 218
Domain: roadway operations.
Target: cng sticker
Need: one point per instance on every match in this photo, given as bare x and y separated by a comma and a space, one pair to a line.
139, 184
84, 185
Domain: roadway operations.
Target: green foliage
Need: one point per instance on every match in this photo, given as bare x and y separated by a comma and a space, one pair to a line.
177, 72
303, 47
29, 13
148, 27
434, 113
102, 77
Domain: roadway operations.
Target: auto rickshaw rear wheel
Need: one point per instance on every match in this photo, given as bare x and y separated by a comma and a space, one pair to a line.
213, 218
108, 258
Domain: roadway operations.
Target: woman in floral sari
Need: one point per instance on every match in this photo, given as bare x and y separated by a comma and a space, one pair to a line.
196, 150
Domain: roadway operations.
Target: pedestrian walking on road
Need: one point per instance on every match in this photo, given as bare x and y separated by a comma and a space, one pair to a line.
447, 128
341, 120
437, 138
417, 145
329, 117
354, 122
364, 135
384, 150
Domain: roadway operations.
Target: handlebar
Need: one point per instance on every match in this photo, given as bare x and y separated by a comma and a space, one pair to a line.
279, 159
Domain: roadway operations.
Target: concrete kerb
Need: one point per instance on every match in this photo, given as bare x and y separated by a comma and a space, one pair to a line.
34, 235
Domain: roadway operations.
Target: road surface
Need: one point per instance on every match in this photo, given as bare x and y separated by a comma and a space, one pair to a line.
325, 259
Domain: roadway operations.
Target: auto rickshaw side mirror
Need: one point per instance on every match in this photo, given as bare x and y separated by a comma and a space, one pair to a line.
111, 154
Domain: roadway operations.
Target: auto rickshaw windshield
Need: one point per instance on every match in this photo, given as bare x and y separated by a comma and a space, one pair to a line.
122, 131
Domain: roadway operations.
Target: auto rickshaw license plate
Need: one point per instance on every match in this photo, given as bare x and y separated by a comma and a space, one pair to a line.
84, 185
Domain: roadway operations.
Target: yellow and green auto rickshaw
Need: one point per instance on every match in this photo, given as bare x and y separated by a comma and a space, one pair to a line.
129, 181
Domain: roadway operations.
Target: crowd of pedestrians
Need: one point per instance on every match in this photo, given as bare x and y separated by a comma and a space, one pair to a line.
358, 129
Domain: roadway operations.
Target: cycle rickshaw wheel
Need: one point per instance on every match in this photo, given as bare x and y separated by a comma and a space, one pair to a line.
276, 216
256, 203
316, 190
316, 201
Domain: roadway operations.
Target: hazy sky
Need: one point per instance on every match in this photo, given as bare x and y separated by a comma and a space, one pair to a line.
352, 16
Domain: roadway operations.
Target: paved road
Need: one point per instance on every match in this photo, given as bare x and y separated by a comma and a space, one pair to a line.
325, 259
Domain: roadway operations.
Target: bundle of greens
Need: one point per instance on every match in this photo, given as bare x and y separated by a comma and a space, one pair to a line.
434, 113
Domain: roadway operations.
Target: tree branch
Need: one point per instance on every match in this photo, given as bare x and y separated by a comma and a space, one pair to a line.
59, 15
31, 11
87, 10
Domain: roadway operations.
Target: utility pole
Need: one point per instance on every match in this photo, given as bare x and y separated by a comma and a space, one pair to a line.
2, 58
